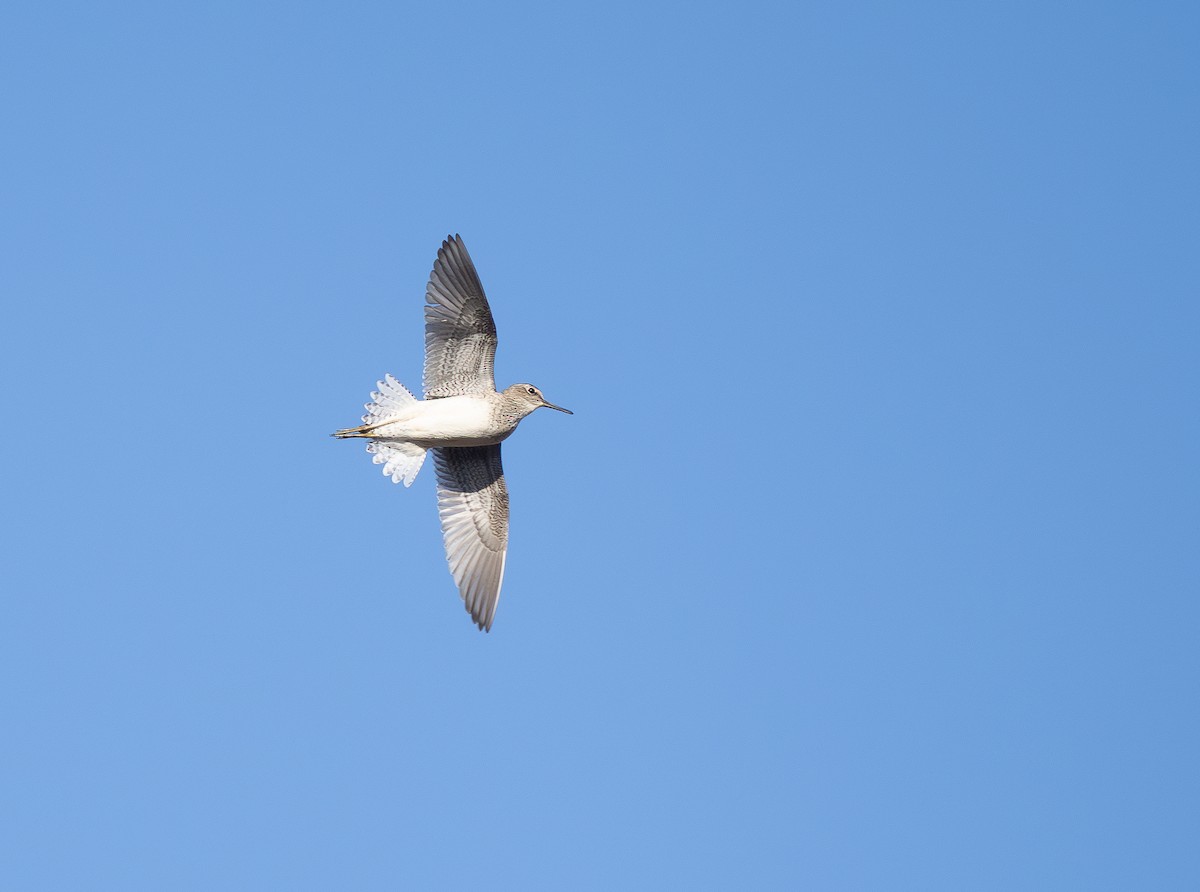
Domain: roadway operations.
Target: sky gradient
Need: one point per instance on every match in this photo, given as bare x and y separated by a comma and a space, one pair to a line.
867, 561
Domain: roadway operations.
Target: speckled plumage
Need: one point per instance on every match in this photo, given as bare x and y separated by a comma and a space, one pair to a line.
463, 419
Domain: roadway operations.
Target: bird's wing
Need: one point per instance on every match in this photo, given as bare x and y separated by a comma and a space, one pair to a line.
473, 504
460, 336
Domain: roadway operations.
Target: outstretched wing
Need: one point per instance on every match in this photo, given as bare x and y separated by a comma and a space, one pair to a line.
460, 336
473, 504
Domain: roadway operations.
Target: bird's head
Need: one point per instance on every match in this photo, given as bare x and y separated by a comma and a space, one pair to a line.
527, 398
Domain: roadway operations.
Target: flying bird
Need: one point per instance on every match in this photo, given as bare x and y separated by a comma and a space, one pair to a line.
463, 419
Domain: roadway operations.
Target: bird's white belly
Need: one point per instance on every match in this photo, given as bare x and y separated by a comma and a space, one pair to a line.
451, 421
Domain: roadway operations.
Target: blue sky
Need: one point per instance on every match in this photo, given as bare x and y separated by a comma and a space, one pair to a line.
868, 560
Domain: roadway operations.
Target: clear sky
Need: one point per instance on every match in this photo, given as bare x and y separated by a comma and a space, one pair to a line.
869, 559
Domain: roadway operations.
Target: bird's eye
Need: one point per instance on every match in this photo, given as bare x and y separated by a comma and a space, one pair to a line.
532, 390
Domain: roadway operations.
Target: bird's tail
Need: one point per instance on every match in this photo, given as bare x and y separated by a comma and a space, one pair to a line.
401, 460
390, 400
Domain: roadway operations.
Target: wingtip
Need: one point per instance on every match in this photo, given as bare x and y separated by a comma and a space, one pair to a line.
451, 251
482, 625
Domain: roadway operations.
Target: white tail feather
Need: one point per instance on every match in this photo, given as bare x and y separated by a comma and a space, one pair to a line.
401, 461
391, 398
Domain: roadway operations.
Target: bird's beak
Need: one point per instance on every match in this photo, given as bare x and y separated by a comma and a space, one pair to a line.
559, 408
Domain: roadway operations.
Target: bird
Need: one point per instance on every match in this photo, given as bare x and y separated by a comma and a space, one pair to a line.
462, 420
